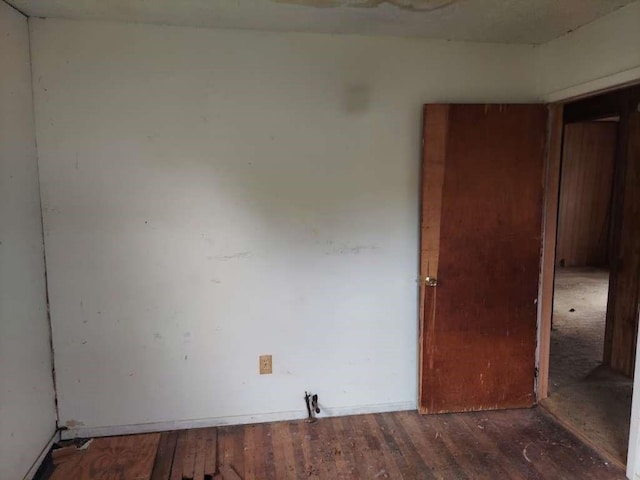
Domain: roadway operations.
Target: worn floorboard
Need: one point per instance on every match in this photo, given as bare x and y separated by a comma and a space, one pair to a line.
164, 456
129, 457
510, 444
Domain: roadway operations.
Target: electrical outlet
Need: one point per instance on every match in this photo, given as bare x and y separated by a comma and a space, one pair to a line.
266, 365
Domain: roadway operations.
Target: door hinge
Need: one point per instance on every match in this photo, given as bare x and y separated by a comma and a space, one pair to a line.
535, 372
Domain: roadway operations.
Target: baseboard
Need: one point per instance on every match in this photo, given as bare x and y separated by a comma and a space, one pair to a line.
36, 465
86, 432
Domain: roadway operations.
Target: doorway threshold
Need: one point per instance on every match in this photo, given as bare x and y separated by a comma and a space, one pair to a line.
613, 458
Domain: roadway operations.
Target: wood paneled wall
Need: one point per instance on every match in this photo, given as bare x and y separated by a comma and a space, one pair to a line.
624, 280
624, 289
585, 194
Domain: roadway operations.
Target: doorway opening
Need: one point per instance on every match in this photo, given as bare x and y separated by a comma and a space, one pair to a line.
596, 272
585, 392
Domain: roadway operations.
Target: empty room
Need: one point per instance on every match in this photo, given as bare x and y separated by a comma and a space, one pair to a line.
286, 239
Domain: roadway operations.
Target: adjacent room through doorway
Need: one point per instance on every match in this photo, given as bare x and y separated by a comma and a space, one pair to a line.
590, 397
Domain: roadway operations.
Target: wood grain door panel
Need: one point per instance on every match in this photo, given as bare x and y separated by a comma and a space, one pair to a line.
482, 200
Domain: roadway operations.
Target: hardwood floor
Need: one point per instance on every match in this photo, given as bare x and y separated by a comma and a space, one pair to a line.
127, 457
512, 444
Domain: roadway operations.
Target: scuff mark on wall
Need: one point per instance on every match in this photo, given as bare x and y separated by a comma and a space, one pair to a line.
413, 5
233, 256
73, 423
344, 249
48, 208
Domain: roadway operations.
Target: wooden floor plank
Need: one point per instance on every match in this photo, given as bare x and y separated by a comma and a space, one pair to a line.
250, 467
268, 452
507, 437
178, 455
460, 462
285, 465
276, 454
352, 447
229, 473
223, 447
419, 468
259, 458
189, 460
467, 450
367, 451
131, 457
297, 439
211, 459
343, 442
322, 446
516, 444
200, 453
164, 456
524, 441
390, 469
238, 442
406, 469
473, 424
426, 438
231, 449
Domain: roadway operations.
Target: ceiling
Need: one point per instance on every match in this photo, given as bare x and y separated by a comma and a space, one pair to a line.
505, 21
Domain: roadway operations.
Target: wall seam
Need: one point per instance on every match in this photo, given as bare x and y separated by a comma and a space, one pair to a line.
44, 251
16, 9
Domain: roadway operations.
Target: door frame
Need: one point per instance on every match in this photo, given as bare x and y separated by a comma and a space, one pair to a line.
549, 234
551, 182
551, 196
526, 121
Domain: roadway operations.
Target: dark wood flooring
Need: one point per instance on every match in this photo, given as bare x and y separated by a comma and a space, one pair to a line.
512, 444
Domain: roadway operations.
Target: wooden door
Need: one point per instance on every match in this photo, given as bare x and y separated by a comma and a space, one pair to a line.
480, 255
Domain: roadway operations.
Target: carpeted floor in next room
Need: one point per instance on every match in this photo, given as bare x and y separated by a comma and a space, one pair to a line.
588, 396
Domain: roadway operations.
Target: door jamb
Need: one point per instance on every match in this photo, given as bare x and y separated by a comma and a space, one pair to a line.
551, 183
549, 233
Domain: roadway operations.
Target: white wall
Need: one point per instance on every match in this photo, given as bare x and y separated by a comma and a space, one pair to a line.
27, 412
633, 452
600, 55
210, 196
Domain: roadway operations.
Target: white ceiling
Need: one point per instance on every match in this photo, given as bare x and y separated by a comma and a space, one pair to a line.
507, 21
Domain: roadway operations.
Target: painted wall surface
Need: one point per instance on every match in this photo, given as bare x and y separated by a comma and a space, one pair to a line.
27, 412
599, 55
210, 196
